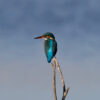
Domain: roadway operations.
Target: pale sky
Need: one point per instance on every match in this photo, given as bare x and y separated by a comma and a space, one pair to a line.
24, 71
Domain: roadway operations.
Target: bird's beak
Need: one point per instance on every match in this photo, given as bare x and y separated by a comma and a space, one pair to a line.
39, 37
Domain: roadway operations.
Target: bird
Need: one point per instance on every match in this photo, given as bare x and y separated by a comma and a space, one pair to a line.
50, 45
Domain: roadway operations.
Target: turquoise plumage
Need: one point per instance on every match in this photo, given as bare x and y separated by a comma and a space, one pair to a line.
50, 45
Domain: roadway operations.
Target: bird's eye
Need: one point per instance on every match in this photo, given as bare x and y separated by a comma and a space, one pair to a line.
50, 37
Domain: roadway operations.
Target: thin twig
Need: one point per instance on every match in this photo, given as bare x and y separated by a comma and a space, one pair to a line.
65, 91
54, 80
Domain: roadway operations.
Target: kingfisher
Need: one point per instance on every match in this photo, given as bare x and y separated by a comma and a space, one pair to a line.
50, 45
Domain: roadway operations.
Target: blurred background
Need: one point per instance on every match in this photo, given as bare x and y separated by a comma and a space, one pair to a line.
24, 71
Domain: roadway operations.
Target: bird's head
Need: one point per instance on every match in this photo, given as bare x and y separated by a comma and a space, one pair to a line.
46, 36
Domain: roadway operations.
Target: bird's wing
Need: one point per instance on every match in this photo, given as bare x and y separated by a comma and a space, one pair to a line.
50, 49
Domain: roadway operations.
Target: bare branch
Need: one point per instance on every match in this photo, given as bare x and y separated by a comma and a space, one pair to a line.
54, 80
65, 91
